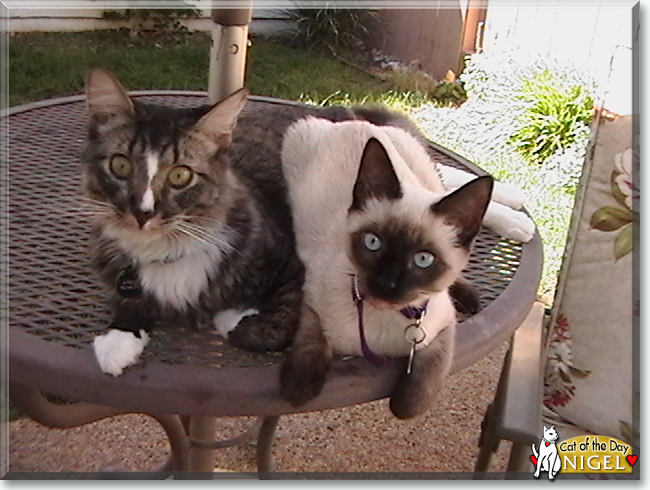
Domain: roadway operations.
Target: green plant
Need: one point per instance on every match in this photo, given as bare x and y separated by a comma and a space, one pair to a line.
446, 93
341, 30
156, 21
553, 118
449, 93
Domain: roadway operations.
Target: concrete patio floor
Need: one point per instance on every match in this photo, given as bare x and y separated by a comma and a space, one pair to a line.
363, 438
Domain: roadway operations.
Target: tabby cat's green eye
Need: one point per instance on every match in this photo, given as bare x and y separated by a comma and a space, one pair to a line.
121, 167
180, 177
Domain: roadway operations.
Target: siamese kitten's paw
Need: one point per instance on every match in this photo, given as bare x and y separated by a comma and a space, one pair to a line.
504, 221
226, 320
302, 380
305, 367
417, 391
118, 349
412, 397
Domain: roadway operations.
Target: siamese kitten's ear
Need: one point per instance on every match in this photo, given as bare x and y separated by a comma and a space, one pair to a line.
376, 178
106, 98
465, 207
222, 118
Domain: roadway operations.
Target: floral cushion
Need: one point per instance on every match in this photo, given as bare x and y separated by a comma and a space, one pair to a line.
588, 379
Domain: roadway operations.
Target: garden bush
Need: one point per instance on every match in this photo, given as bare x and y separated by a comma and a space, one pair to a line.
554, 119
340, 30
155, 21
498, 88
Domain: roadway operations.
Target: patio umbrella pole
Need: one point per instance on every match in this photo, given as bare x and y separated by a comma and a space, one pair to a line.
228, 51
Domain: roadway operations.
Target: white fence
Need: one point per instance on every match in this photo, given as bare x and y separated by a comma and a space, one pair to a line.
89, 17
597, 37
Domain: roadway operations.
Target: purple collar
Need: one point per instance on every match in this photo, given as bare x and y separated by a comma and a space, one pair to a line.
415, 312
410, 312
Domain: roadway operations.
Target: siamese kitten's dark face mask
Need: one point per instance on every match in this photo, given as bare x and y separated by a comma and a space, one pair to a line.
403, 248
155, 172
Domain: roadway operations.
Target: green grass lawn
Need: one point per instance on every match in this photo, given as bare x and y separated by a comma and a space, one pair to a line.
43, 65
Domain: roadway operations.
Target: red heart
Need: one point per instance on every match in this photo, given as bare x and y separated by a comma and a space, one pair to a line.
632, 459
533, 459
548, 444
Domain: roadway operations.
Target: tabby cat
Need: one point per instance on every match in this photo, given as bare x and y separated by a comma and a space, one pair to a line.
382, 241
191, 223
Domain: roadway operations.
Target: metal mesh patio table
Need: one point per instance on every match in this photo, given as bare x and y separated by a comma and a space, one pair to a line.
57, 306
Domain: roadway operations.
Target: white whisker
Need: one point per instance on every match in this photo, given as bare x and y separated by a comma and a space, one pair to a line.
192, 235
198, 229
202, 235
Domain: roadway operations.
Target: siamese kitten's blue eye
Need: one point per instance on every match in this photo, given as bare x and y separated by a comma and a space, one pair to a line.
423, 259
371, 241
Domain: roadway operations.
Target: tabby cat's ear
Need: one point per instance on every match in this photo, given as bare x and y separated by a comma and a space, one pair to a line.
106, 98
464, 208
376, 178
222, 118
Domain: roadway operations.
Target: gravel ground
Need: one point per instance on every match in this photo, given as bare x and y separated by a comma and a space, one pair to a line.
362, 438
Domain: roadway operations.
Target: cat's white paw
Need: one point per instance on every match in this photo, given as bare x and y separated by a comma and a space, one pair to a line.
508, 194
502, 192
519, 228
118, 349
226, 320
523, 235
504, 221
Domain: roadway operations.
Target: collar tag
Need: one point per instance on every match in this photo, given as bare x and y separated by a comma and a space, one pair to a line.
414, 334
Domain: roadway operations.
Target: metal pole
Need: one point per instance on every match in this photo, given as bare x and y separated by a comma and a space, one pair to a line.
228, 51
202, 429
265, 446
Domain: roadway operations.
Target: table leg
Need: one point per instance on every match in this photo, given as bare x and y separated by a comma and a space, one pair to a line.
265, 445
202, 428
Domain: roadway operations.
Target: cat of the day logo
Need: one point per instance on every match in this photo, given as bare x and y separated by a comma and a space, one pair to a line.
584, 454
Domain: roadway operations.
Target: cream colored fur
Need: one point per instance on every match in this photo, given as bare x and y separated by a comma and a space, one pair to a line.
321, 161
501, 216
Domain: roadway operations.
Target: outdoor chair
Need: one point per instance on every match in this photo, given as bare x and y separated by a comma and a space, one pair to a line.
577, 367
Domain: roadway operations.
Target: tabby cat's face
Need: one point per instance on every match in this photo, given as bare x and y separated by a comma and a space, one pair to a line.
153, 173
407, 243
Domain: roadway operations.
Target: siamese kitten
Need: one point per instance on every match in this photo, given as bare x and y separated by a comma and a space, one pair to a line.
185, 232
382, 241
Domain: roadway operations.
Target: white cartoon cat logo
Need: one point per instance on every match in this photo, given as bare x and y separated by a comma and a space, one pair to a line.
548, 459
